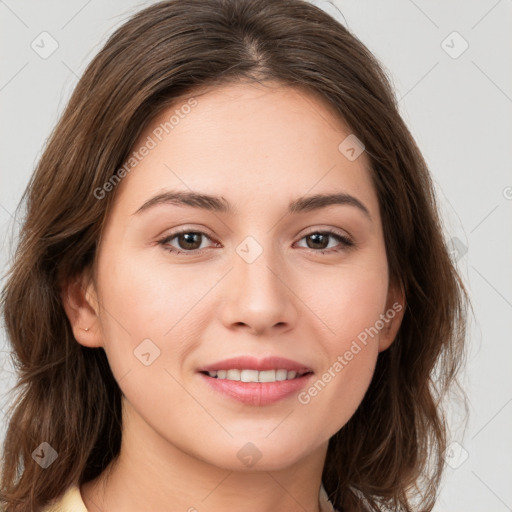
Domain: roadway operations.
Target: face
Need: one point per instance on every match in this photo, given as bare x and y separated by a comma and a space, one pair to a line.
267, 271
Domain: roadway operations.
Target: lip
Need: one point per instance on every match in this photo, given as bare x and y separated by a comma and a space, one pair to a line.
253, 363
257, 393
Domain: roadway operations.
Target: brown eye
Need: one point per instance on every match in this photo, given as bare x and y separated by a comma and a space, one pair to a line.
320, 241
189, 241
184, 242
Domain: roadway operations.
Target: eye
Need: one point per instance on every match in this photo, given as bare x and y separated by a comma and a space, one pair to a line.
188, 241
318, 241
191, 242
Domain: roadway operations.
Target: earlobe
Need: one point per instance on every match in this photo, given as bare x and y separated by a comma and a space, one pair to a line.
80, 303
392, 316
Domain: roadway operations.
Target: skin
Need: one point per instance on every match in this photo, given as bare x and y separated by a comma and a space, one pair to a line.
259, 147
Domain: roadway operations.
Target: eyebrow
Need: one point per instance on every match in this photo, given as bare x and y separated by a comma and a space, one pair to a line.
221, 205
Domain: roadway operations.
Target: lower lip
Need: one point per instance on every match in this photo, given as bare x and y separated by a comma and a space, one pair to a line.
257, 393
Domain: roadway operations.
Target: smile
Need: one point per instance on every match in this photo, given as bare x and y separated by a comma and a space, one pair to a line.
248, 375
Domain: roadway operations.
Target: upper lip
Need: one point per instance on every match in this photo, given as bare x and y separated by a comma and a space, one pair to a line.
253, 363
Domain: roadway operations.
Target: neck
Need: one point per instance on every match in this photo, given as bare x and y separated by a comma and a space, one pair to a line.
150, 473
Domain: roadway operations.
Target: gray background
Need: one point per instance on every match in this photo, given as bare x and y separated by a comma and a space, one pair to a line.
458, 106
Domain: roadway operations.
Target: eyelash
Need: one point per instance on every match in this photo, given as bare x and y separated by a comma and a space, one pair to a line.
346, 242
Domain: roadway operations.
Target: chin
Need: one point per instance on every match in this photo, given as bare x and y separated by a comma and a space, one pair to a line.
260, 454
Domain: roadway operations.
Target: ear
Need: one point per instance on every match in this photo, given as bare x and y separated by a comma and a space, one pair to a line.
392, 316
80, 302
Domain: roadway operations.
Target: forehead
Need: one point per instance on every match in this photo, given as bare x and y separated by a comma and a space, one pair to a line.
249, 142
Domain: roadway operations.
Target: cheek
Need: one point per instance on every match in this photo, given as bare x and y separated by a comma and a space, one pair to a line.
348, 301
142, 302
148, 325
349, 306
350, 357
335, 394
146, 294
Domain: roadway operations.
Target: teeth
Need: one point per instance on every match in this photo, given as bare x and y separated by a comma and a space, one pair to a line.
233, 375
281, 374
267, 376
248, 375
254, 375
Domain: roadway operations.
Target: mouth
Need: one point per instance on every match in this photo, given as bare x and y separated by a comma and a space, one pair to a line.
250, 375
256, 381
252, 369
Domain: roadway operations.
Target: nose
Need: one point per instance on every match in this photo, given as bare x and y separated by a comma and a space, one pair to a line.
259, 296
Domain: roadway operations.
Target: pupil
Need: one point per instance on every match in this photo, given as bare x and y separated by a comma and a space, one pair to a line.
317, 239
188, 239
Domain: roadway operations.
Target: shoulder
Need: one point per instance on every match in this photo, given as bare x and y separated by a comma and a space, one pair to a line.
70, 501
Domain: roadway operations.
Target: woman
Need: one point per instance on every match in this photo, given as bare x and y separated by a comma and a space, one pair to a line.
231, 287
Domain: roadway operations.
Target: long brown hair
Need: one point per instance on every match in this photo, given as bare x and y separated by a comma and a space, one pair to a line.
390, 453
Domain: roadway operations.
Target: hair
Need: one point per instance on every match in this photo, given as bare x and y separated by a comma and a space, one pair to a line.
66, 394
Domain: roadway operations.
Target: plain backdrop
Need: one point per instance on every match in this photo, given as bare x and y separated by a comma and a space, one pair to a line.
450, 63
